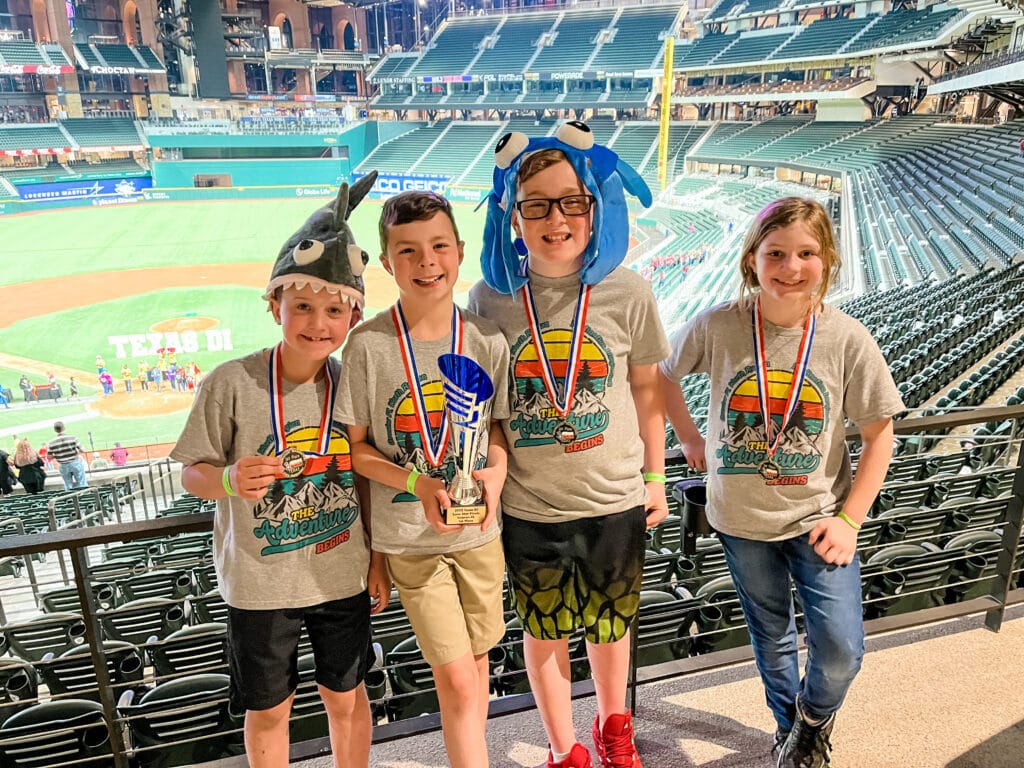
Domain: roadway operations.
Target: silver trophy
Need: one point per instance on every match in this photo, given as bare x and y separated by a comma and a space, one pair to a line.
468, 392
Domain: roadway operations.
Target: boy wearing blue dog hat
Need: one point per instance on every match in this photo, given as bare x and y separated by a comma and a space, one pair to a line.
586, 436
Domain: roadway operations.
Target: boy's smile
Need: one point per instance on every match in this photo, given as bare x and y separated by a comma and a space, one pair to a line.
313, 323
556, 242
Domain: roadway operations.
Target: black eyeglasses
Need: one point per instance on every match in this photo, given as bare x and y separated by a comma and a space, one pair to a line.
540, 207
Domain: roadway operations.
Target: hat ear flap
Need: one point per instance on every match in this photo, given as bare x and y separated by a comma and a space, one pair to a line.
501, 259
490, 258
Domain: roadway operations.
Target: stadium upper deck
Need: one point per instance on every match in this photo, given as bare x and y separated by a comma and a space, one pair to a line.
611, 58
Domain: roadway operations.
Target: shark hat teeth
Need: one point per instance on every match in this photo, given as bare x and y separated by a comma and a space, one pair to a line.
346, 294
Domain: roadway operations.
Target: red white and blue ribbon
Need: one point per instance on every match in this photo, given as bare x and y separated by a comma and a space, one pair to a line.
277, 423
803, 357
433, 448
563, 404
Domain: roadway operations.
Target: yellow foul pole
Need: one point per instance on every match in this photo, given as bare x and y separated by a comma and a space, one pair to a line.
666, 111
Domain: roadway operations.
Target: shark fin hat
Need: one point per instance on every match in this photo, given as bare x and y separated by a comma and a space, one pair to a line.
604, 175
323, 253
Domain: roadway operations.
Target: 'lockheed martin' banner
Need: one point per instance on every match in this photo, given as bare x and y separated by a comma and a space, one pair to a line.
41, 193
389, 184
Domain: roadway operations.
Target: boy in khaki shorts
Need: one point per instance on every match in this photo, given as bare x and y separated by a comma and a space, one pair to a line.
449, 577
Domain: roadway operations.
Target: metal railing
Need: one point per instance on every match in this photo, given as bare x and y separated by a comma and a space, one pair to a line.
78, 536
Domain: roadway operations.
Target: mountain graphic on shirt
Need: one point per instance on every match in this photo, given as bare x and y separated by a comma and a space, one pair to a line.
586, 402
310, 495
798, 441
535, 404
743, 437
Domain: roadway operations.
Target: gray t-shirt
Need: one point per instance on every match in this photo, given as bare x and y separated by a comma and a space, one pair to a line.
303, 543
846, 377
594, 467
375, 394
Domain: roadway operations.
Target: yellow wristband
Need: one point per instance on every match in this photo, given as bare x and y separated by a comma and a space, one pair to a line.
410, 481
225, 480
654, 477
848, 520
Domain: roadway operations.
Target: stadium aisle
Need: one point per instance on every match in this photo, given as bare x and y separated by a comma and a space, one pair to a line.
949, 695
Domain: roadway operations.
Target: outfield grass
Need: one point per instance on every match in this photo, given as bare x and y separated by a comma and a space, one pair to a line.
23, 414
105, 431
78, 241
241, 310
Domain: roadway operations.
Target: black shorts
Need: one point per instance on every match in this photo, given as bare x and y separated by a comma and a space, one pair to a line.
263, 649
584, 573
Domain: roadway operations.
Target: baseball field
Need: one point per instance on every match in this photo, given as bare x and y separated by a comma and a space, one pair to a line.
123, 281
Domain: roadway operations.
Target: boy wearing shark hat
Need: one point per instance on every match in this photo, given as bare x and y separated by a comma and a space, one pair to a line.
586, 436
289, 544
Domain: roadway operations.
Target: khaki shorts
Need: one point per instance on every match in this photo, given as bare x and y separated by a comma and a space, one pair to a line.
438, 589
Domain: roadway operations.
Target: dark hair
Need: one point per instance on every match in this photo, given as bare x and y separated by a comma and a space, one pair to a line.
58, 426
540, 160
413, 205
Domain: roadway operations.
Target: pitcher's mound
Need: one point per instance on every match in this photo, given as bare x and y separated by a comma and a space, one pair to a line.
140, 403
180, 324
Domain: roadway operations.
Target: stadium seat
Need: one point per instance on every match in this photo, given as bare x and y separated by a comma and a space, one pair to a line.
412, 682
69, 731
208, 607
196, 649
924, 570
309, 718
37, 636
719, 623
659, 569
663, 626
181, 722
977, 558
391, 626
167, 584
65, 599
19, 686
137, 621
73, 673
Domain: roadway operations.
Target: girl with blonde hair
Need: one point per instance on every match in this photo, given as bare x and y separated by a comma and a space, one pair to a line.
787, 369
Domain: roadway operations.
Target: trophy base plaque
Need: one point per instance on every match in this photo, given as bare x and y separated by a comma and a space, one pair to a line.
466, 514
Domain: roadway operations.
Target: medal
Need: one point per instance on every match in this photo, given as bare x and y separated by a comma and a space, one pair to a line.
565, 432
292, 459
294, 462
768, 469
433, 448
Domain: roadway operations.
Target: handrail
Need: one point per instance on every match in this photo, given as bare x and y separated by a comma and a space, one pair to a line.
77, 540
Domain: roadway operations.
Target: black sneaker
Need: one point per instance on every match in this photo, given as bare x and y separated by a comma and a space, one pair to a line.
807, 746
780, 739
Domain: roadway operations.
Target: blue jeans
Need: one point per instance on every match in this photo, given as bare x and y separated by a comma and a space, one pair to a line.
831, 598
73, 474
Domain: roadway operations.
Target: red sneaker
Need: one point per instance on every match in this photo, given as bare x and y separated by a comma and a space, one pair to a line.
616, 746
578, 757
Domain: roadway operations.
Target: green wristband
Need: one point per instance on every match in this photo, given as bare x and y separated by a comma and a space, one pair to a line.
225, 480
410, 481
654, 477
848, 520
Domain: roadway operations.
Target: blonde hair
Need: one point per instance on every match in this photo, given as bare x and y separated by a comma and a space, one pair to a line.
24, 454
778, 215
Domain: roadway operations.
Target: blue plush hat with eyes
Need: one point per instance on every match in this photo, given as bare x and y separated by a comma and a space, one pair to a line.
603, 174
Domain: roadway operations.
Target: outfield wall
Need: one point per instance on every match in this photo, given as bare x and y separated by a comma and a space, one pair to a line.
180, 194
248, 173
261, 191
